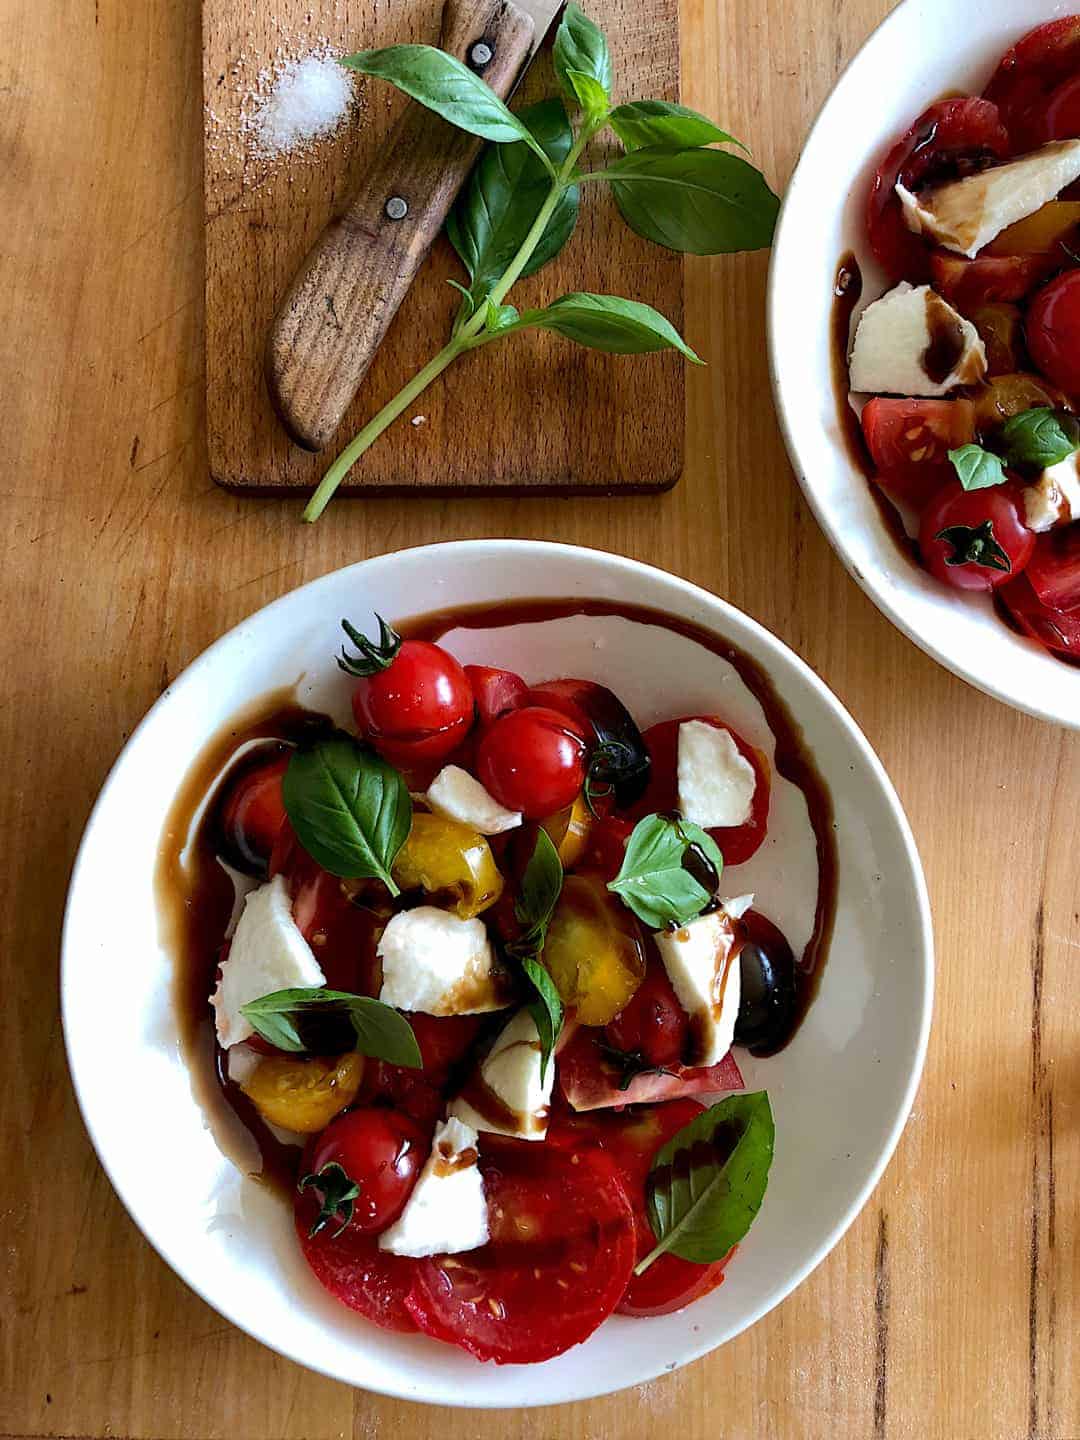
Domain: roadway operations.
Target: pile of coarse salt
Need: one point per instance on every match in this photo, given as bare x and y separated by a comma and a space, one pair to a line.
307, 100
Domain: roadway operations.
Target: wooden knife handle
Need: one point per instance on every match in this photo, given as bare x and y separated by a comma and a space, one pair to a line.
331, 322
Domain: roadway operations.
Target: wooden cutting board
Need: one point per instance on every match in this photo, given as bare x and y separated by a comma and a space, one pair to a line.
535, 413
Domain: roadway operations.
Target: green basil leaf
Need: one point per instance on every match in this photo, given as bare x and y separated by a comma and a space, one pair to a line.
1041, 437
547, 1010
500, 317
659, 875
381, 1031
702, 202
508, 185
581, 47
660, 122
610, 323
707, 1183
444, 84
591, 95
977, 468
541, 886
351, 810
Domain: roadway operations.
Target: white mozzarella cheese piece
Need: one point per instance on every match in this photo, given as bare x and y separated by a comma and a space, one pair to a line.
440, 964
965, 215
447, 1210
1054, 499
702, 963
267, 953
460, 796
716, 781
508, 1096
895, 341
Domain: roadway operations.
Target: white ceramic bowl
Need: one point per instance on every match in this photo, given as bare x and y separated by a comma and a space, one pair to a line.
841, 1091
925, 49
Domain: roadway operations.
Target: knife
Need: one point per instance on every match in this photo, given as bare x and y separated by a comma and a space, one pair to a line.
345, 294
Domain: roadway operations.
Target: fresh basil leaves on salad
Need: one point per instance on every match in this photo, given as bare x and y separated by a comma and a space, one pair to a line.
670, 872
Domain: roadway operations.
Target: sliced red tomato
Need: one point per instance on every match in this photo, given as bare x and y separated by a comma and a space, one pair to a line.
1054, 568
444, 1042
592, 1078
354, 1270
975, 539
1053, 331
1061, 118
606, 846
558, 1261
737, 842
951, 139
1029, 74
495, 691
988, 279
632, 1138
909, 442
1058, 630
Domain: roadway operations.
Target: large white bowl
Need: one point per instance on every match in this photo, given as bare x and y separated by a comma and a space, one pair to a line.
841, 1091
925, 49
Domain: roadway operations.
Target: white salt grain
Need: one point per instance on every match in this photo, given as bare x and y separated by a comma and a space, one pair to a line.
308, 101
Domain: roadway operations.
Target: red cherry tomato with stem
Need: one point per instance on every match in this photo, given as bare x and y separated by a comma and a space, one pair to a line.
534, 760
975, 539
381, 1152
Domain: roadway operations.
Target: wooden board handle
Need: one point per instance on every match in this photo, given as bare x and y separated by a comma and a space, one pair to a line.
331, 322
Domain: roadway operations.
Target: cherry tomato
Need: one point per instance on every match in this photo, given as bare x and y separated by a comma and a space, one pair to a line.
909, 442
653, 1025
419, 708
1061, 118
1028, 75
533, 760
737, 842
988, 278
381, 1152
975, 539
1053, 331
951, 139
621, 761
561, 1250
495, 691
1058, 630
252, 813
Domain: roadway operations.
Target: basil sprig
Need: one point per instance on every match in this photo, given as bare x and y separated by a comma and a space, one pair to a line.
541, 886
663, 872
976, 468
351, 811
707, 1183
1041, 437
381, 1031
519, 208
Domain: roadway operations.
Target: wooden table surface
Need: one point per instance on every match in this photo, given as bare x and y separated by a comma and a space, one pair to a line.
951, 1306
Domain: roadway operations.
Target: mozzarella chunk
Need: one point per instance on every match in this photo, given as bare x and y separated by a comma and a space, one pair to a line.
900, 339
460, 796
447, 1210
702, 962
964, 215
508, 1097
716, 781
267, 953
440, 964
1054, 499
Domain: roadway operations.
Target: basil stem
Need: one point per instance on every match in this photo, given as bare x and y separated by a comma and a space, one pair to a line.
469, 337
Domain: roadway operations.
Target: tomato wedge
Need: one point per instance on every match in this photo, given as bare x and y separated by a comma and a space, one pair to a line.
737, 842
1028, 75
1054, 568
559, 1259
354, 1270
909, 442
632, 1139
1058, 630
591, 1080
952, 138
988, 279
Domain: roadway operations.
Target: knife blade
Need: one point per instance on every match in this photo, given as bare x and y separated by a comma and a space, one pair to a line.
348, 289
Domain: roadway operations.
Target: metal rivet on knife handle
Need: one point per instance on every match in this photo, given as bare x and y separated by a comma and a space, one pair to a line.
480, 55
397, 207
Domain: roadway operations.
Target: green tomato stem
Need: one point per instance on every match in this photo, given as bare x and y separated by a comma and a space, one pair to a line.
469, 336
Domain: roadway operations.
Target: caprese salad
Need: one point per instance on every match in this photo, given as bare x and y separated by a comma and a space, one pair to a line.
969, 366
479, 975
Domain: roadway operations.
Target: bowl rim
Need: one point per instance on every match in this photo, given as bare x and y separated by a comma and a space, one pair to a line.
923, 947
880, 590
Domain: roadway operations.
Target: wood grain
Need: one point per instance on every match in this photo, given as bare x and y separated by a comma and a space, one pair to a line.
950, 1309
536, 413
